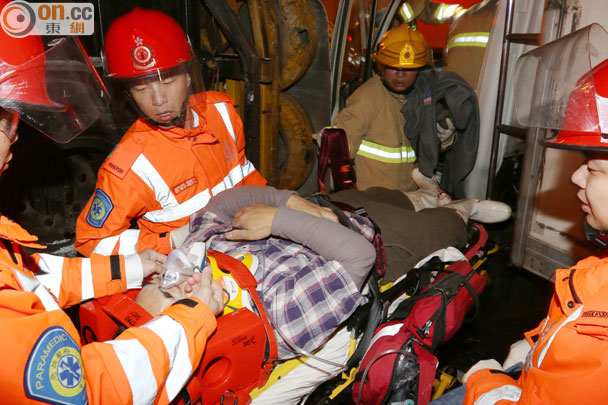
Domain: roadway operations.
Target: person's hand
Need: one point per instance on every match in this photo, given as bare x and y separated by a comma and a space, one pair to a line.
206, 289
480, 365
445, 130
151, 262
517, 353
295, 202
254, 222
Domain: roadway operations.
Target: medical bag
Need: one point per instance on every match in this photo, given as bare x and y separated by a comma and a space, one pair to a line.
400, 363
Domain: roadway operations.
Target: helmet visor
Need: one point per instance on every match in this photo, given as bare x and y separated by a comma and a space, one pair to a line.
555, 83
57, 92
165, 98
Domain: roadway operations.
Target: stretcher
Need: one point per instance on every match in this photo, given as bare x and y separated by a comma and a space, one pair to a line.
239, 360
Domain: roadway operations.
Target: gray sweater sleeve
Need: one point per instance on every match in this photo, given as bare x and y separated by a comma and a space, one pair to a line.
329, 239
227, 203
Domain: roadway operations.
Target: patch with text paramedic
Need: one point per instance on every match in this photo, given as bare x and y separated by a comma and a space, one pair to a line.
100, 209
54, 371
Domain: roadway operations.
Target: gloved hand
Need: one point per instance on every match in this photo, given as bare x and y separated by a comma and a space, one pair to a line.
151, 262
446, 133
517, 353
179, 235
480, 365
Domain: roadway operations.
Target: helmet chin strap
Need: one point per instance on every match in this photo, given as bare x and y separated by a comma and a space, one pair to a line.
598, 237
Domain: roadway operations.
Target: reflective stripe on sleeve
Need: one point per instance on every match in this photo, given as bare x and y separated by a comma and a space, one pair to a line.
134, 360
506, 392
445, 11
406, 12
134, 271
86, 281
477, 39
174, 337
128, 243
35, 286
400, 154
223, 110
52, 267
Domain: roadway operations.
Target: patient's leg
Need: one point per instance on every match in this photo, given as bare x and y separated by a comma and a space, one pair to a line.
408, 236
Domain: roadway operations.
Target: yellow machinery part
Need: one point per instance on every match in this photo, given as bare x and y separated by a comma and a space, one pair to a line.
298, 147
298, 38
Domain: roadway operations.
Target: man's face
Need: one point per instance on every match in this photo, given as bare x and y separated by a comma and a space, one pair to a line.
399, 80
592, 179
162, 100
154, 300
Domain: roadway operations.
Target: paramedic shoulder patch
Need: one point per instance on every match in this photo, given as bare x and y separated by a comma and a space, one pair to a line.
54, 371
100, 209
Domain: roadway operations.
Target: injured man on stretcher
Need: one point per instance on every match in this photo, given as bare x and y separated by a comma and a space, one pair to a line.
311, 269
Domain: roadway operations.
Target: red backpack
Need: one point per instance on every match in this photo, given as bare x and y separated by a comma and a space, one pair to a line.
400, 363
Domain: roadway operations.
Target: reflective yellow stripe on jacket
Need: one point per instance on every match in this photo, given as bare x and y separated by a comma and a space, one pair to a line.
445, 12
478, 39
406, 12
381, 153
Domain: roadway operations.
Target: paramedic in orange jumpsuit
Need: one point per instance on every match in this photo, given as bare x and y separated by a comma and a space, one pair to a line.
186, 146
565, 359
42, 359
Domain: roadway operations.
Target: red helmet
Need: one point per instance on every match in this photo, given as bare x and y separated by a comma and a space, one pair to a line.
56, 90
22, 72
585, 125
143, 42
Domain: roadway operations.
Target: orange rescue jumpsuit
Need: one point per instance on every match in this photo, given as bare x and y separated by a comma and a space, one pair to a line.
159, 177
568, 363
42, 360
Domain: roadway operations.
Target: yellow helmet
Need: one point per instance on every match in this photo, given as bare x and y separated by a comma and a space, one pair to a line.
404, 48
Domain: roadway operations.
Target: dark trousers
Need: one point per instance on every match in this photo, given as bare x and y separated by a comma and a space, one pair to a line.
408, 236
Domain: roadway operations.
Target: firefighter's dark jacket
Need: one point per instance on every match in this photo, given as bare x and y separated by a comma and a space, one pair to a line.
432, 92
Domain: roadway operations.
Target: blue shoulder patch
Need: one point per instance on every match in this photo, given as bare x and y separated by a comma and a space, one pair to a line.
100, 209
54, 373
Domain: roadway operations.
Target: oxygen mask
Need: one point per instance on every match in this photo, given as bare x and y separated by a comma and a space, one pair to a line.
183, 263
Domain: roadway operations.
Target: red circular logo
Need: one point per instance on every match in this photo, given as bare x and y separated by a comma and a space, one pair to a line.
143, 57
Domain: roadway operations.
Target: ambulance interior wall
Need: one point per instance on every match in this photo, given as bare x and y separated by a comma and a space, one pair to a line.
556, 217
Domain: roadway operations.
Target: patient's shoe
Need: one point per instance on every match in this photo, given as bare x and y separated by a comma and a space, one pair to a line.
424, 198
432, 184
484, 211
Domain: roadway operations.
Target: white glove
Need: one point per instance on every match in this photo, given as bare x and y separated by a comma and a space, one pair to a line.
517, 353
480, 365
179, 235
444, 134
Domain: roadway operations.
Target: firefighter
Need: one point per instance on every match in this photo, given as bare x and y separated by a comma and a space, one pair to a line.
42, 358
406, 116
429, 11
186, 146
467, 41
